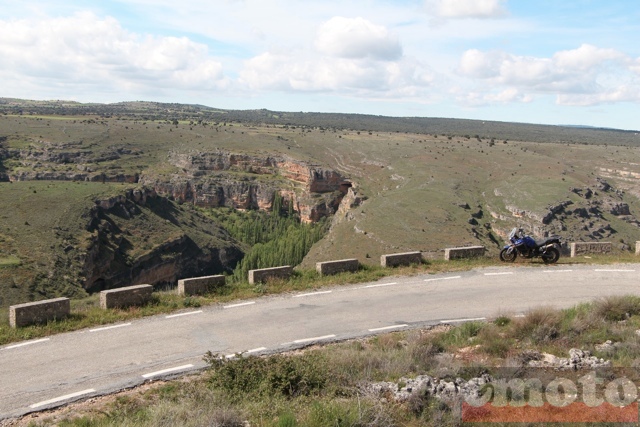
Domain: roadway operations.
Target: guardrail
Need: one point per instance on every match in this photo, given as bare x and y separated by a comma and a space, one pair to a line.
32, 313
263, 274
465, 252
58, 308
200, 285
126, 297
404, 258
581, 248
334, 267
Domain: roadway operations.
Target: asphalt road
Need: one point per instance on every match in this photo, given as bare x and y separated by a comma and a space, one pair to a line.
49, 372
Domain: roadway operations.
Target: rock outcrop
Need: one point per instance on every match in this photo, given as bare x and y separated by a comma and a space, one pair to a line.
243, 181
589, 218
471, 390
206, 179
114, 257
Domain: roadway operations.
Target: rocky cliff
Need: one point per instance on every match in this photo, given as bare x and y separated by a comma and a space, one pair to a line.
141, 237
243, 181
206, 179
587, 217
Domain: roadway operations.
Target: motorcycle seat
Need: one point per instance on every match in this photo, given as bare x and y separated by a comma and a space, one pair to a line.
546, 240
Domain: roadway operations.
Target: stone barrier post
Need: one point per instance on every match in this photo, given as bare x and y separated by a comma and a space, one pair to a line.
200, 285
581, 248
32, 313
465, 252
262, 274
405, 258
126, 297
335, 267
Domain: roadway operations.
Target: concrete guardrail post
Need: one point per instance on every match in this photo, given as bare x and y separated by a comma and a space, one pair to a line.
405, 258
262, 274
125, 297
32, 313
334, 267
464, 252
200, 285
582, 248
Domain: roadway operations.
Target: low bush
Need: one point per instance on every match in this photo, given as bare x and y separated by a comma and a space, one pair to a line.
278, 374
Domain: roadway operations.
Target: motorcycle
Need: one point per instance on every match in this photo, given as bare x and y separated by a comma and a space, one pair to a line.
528, 247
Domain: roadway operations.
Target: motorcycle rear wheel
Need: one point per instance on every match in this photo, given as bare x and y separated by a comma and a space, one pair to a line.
551, 256
508, 256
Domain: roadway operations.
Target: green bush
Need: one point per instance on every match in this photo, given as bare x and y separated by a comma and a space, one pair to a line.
278, 374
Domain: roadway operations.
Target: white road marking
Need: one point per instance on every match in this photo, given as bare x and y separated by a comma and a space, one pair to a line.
256, 350
443, 278
106, 328
239, 305
22, 344
62, 398
183, 314
166, 371
556, 271
499, 274
381, 285
312, 293
386, 328
613, 270
471, 319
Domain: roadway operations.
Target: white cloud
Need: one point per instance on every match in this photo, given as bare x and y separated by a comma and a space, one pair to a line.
295, 71
353, 57
584, 76
98, 52
454, 9
624, 93
585, 57
357, 38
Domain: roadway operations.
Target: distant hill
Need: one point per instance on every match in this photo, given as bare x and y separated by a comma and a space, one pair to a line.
359, 122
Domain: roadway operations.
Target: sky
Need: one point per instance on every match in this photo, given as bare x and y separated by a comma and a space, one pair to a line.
569, 62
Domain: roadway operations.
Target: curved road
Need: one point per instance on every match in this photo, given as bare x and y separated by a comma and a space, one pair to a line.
49, 372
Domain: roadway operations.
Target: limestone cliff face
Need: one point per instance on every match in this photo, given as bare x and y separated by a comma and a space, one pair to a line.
140, 238
207, 179
243, 181
71, 176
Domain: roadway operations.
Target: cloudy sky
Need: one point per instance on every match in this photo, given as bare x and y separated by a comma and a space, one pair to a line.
537, 61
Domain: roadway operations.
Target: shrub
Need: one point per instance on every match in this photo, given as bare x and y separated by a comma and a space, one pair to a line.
279, 374
460, 336
616, 308
539, 325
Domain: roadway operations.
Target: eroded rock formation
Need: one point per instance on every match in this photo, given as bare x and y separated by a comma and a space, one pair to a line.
121, 253
243, 181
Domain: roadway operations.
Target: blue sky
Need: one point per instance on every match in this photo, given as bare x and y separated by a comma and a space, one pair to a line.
543, 61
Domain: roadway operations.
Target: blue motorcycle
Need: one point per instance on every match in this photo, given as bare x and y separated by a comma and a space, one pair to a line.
528, 247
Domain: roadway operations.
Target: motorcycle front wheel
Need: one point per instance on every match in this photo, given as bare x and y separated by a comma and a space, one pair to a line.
551, 256
508, 255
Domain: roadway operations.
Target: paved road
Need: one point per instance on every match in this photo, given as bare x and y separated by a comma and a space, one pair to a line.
48, 372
